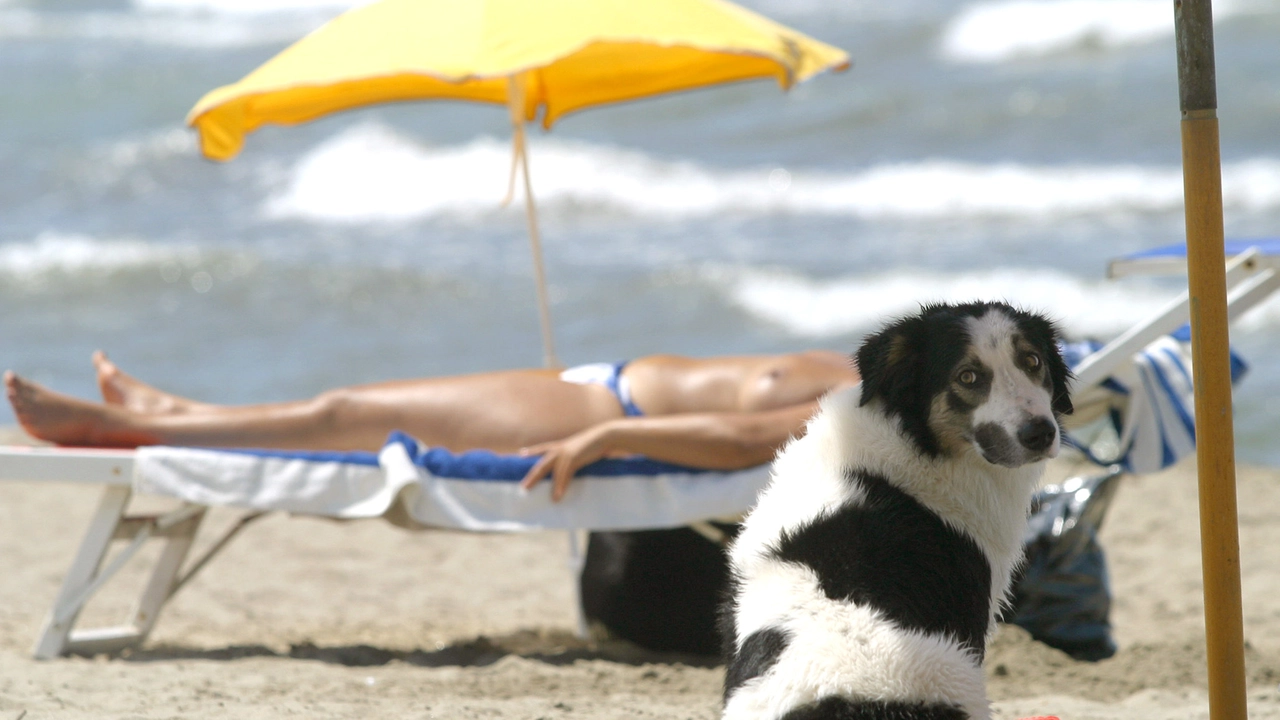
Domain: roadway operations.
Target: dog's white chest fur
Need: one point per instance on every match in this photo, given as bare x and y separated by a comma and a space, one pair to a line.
871, 642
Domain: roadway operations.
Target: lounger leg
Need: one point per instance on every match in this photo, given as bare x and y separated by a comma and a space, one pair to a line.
178, 529
577, 561
71, 598
181, 535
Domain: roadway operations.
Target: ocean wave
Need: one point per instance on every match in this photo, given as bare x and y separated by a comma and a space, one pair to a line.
808, 307
172, 28
75, 253
57, 258
247, 7
136, 163
987, 32
861, 10
370, 173
209, 24
109, 161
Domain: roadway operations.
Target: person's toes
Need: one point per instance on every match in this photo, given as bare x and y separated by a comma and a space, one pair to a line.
108, 379
18, 392
102, 363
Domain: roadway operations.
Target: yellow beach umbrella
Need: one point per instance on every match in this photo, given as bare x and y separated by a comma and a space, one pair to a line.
551, 57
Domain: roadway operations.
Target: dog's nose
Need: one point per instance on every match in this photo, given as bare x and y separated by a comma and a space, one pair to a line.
1037, 434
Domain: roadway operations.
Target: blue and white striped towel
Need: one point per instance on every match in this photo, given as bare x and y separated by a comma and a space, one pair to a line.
1152, 404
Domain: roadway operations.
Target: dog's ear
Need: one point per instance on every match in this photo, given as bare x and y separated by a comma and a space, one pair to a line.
897, 370
885, 363
1045, 335
1061, 375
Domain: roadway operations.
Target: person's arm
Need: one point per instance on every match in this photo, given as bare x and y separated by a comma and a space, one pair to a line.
716, 441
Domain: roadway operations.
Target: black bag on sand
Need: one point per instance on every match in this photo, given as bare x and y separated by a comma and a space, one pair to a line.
661, 589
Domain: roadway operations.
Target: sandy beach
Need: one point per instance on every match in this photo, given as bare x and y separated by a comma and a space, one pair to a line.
315, 618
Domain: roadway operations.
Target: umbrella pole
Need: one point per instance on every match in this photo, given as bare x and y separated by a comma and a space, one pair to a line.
515, 103
1211, 365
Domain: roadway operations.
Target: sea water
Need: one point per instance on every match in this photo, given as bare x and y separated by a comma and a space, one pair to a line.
994, 149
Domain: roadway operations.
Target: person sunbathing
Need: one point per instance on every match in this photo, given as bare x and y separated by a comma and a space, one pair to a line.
718, 413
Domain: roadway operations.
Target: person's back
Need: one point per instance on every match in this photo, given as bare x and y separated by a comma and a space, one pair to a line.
673, 384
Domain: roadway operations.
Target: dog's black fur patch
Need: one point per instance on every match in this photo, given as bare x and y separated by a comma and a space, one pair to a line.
839, 708
893, 554
759, 653
909, 363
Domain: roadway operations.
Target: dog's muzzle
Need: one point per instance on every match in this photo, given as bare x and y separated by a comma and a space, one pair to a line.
1037, 434
1036, 438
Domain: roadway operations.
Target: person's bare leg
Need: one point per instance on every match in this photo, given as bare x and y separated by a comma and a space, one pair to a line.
498, 411
120, 388
65, 420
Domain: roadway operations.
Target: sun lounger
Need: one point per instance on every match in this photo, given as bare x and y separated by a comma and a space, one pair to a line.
421, 487
407, 484
1172, 259
1143, 377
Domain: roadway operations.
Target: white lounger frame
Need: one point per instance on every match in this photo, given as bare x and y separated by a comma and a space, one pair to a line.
1251, 278
113, 470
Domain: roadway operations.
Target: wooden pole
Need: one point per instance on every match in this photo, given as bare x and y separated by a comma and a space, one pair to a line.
1211, 364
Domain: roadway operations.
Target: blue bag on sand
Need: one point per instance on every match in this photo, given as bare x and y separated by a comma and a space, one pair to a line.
1062, 594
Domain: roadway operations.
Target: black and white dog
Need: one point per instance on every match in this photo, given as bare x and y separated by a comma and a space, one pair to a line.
867, 579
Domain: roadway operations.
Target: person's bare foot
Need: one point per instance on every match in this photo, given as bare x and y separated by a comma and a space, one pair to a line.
120, 388
64, 420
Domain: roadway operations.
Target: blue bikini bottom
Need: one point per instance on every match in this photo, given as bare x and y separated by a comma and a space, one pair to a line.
608, 375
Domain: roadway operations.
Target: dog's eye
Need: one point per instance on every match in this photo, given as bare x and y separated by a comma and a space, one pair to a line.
967, 377
1032, 361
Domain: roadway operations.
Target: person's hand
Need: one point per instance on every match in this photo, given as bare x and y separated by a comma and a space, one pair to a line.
562, 458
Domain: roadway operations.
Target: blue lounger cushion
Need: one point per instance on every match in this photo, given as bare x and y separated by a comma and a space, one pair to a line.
475, 490
1268, 246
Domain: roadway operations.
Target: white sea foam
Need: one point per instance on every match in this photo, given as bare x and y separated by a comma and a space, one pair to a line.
996, 31
152, 147
247, 7
131, 159
369, 173
808, 307
162, 27
816, 308
73, 253
78, 260
861, 10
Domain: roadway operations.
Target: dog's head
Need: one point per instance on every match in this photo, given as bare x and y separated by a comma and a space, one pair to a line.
982, 375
